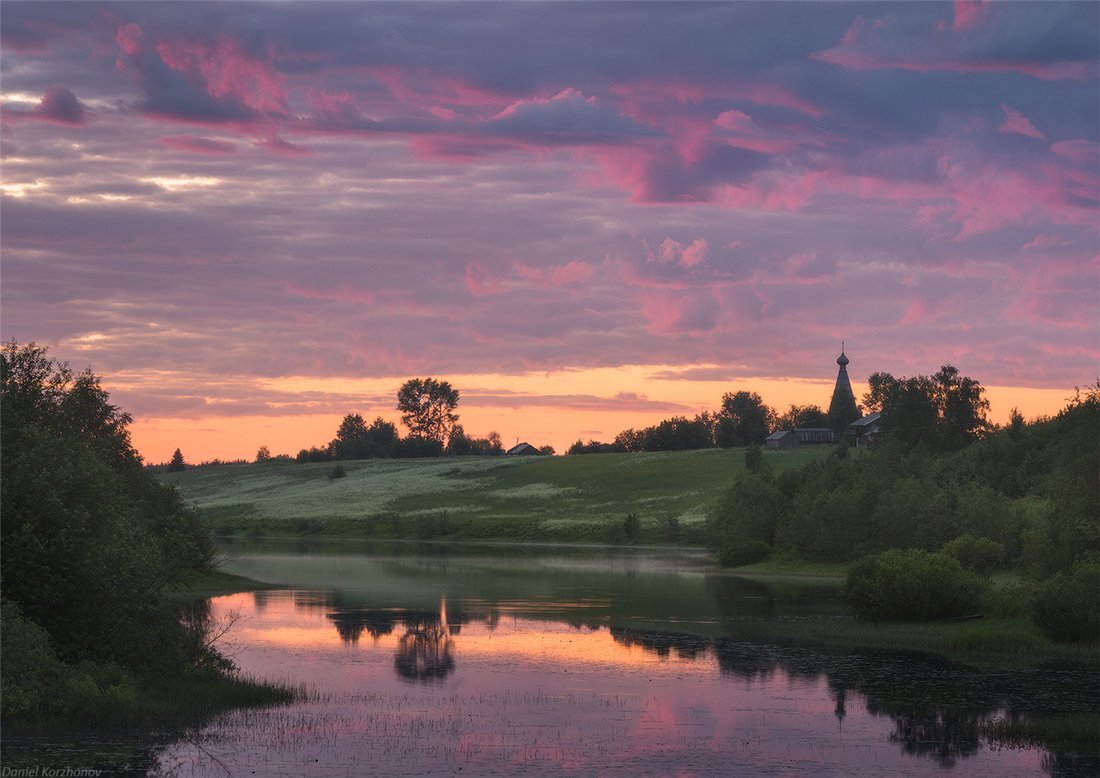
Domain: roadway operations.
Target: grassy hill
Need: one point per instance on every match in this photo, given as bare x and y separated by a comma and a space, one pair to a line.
575, 498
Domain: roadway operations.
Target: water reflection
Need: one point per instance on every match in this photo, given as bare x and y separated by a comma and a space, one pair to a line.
466, 647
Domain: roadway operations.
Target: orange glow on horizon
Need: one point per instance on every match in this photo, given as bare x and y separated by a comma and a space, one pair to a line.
540, 408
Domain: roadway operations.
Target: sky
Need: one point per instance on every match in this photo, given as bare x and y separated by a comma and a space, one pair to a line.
253, 218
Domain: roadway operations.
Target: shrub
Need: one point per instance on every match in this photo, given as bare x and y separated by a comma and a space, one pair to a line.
632, 526
911, 585
754, 458
337, 472
981, 555
1067, 606
736, 551
672, 527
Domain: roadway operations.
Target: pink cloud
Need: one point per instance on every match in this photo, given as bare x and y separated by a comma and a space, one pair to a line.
199, 145
889, 50
277, 145
339, 109
1018, 124
1078, 150
691, 255
341, 294
569, 274
229, 72
129, 39
671, 311
968, 13
480, 282
1045, 242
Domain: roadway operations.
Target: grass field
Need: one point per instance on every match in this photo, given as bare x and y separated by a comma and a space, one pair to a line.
573, 498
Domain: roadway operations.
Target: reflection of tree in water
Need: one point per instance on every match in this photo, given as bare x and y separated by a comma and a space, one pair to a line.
351, 624
937, 707
662, 643
939, 733
424, 651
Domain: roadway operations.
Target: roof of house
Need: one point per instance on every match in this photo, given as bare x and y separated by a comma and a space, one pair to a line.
814, 434
779, 435
866, 421
522, 448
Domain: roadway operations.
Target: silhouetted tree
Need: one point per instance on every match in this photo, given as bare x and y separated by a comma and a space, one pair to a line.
943, 412
427, 408
742, 419
176, 463
263, 454
355, 440
89, 536
801, 416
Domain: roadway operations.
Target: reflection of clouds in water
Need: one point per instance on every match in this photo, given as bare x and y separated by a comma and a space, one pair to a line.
933, 709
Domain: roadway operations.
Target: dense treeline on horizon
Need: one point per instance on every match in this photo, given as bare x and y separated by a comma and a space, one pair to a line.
1025, 497
947, 403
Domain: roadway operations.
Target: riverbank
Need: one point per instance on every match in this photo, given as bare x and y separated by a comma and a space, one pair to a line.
116, 718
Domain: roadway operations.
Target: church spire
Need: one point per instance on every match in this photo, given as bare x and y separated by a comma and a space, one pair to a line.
842, 407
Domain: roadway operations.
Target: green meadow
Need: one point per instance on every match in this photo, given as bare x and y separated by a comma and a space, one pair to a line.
585, 498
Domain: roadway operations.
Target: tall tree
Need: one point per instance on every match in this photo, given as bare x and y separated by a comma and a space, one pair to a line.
802, 416
89, 536
943, 412
743, 419
427, 408
356, 440
176, 464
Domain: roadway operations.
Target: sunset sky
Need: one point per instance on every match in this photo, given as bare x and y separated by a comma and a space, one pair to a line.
252, 218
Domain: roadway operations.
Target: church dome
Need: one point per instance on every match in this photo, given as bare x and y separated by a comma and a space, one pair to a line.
842, 360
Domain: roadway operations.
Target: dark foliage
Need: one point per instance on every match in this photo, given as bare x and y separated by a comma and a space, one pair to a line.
801, 416
1067, 606
911, 585
981, 555
355, 440
176, 463
461, 444
89, 536
942, 412
742, 419
427, 408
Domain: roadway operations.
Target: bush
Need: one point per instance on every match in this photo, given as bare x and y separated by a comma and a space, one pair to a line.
337, 472
632, 526
754, 458
737, 551
1067, 606
981, 555
911, 586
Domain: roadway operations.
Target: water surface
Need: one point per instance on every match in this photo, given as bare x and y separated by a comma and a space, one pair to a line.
454, 660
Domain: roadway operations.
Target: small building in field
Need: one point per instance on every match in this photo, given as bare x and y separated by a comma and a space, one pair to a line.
782, 439
813, 435
866, 430
522, 450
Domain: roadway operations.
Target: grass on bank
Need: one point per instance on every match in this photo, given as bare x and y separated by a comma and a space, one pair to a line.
215, 584
585, 498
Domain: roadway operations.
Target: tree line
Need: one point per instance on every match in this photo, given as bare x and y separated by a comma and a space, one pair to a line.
943, 411
941, 504
427, 407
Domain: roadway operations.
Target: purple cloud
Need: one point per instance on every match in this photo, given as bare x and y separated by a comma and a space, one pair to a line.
342, 190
